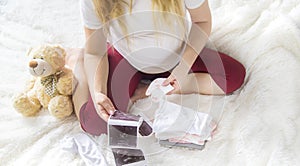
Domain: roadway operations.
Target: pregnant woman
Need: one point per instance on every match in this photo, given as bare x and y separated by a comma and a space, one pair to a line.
131, 40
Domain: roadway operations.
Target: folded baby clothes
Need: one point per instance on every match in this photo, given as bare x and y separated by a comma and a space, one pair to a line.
191, 141
177, 125
195, 138
188, 145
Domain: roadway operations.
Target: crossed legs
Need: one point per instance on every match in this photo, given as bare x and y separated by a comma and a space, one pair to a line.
198, 81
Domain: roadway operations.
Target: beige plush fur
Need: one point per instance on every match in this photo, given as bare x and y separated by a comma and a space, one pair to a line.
47, 61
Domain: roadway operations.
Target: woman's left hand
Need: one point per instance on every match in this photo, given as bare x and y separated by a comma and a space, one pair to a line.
174, 82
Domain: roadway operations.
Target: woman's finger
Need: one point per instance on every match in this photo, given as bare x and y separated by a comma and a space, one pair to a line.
104, 115
108, 106
102, 112
168, 80
105, 103
176, 88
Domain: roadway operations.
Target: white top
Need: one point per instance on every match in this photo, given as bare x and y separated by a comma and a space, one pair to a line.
151, 48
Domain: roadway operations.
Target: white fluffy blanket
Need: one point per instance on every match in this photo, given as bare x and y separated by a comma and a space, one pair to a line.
260, 123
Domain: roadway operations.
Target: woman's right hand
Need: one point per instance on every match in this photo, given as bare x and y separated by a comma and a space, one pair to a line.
105, 106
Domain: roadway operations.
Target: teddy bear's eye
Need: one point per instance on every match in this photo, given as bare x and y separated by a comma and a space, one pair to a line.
34, 57
42, 57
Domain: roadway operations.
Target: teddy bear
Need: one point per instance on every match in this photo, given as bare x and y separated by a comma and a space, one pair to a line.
51, 86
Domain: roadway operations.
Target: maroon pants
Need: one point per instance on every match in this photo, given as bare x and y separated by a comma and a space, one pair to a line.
123, 79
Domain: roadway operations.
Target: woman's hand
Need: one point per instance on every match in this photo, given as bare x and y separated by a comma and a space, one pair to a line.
174, 82
104, 106
177, 79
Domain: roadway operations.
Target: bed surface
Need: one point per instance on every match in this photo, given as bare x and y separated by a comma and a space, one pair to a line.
260, 123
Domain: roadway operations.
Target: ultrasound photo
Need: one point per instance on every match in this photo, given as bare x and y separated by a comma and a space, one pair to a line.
123, 130
128, 157
123, 136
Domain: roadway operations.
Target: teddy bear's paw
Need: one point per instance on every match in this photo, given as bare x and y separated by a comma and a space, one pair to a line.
60, 106
66, 82
25, 105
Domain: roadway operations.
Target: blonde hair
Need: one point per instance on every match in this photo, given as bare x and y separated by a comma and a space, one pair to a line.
107, 10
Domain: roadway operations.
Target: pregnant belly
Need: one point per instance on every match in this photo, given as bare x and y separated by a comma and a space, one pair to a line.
153, 59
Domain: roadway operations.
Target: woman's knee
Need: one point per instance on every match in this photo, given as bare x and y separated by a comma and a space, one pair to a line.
90, 121
235, 77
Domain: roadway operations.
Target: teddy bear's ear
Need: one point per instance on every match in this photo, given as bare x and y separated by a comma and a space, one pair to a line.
28, 51
60, 50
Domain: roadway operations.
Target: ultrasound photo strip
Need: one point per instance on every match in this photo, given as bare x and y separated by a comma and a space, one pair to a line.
129, 157
123, 134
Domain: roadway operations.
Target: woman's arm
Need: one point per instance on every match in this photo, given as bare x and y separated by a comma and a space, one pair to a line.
96, 69
95, 60
198, 36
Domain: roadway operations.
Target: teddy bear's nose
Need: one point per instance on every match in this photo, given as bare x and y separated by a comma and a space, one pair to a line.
33, 64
